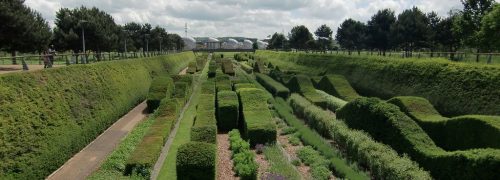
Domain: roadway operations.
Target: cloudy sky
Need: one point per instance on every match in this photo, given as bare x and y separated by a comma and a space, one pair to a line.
249, 18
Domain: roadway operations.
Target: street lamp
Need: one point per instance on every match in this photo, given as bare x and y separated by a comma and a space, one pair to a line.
82, 22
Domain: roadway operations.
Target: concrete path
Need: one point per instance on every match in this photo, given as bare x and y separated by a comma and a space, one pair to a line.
90, 158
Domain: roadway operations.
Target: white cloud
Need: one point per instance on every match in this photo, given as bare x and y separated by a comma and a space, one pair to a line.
250, 18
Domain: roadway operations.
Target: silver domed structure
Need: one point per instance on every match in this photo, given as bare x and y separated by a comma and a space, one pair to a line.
262, 44
189, 43
230, 44
247, 44
213, 43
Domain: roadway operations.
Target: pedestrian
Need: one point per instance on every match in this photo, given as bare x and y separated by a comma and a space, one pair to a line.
52, 53
46, 60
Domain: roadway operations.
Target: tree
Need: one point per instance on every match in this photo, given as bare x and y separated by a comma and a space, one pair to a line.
351, 35
379, 30
324, 34
470, 21
411, 30
134, 31
299, 37
101, 32
255, 46
489, 34
277, 41
433, 20
175, 41
22, 29
446, 35
158, 38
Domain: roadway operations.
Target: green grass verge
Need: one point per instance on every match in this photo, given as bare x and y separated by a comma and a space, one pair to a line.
279, 164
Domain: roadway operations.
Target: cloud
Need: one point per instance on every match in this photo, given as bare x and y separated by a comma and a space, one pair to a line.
249, 18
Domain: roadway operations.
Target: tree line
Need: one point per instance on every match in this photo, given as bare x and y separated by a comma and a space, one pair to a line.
22, 29
477, 27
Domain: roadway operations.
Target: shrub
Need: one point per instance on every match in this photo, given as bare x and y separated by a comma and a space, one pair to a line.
243, 85
303, 85
196, 160
243, 159
470, 88
337, 85
227, 110
248, 69
204, 128
208, 87
180, 90
223, 83
212, 68
191, 68
148, 150
227, 67
258, 124
384, 162
259, 67
200, 64
332, 103
183, 78
56, 113
318, 164
386, 123
161, 87
276, 88
463, 132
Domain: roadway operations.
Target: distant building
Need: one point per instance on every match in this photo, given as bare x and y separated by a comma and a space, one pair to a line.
230, 44
189, 43
213, 43
262, 44
247, 44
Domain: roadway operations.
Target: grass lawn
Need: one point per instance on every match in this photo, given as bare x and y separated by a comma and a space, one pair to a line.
279, 164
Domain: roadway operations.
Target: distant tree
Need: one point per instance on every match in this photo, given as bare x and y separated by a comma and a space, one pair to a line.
134, 31
145, 35
489, 34
379, 29
470, 21
255, 46
433, 22
277, 41
175, 41
158, 37
324, 34
312, 44
22, 29
298, 37
446, 34
351, 35
411, 30
101, 32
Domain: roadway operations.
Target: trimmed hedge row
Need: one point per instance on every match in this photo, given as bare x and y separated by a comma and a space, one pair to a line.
223, 83
208, 87
258, 124
227, 67
191, 68
200, 63
382, 160
55, 113
469, 88
159, 89
302, 84
337, 85
276, 88
457, 133
205, 126
212, 68
243, 159
148, 150
239, 86
248, 69
259, 67
332, 103
196, 160
387, 124
227, 110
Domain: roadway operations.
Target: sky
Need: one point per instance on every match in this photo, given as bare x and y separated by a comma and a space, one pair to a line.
247, 18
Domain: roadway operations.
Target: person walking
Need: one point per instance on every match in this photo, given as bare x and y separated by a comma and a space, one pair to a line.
52, 53
46, 60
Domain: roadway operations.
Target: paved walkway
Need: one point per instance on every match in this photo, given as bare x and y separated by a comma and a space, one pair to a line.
90, 158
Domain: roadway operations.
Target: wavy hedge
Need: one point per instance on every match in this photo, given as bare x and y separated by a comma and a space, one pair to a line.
453, 88
49, 115
337, 85
382, 160
144, 157
302, 84
276, 88
196, 160
457, 133
332, 103
258, 124
387, 124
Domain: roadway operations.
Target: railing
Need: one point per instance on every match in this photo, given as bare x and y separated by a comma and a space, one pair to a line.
77, 58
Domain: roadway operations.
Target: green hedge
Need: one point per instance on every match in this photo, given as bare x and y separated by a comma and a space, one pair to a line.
387, 124
183, 78
181, 90
248, 69
382, 160
142, 160
208, 87
205, 126
227, 110
337, 85
57, 112
212, 68
161, 86
243, 159
258, 125
227, 67
200, 63
191, 68
276, 88
302, 84
239, 86
196, 160
453, 88
458, 133
332, 103
223, 83
259, 67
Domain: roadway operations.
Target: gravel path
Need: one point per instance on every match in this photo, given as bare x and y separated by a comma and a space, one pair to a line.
292, 152
262, 162
224, 162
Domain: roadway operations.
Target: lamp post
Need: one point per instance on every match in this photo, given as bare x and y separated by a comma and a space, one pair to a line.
84, 58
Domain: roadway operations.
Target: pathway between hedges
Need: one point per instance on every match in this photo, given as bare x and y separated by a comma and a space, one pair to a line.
91, 157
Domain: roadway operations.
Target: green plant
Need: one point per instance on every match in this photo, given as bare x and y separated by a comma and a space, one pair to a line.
208, 87
248, 69
457, 133
223, 83
243, 85
276, 88
244, 160
212, 68
296, 162
196, 160
288, 130
227, 67
278, 163
318, 164
386, 123
332, 103
56, 113
205, 126
294, 141
161, 86
227, 110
